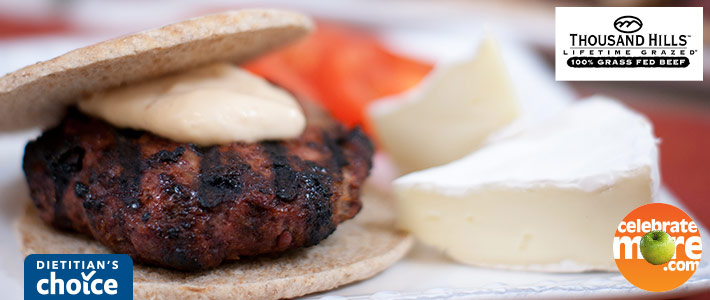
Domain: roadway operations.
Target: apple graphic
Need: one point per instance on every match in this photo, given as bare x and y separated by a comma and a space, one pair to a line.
657, 247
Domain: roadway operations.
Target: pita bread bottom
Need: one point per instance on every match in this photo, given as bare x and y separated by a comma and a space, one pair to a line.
358, 249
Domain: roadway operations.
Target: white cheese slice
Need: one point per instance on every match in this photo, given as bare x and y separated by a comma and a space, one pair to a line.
548, 198
450, 114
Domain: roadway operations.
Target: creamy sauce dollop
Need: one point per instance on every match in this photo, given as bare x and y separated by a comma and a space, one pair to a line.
216, 104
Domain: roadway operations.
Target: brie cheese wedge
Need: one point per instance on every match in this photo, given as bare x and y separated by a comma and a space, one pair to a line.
548, 198
449, 115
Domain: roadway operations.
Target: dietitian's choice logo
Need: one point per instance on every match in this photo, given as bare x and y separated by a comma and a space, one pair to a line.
629, 43
78, 276
657, 247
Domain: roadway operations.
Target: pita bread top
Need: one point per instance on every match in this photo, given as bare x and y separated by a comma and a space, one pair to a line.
37, 94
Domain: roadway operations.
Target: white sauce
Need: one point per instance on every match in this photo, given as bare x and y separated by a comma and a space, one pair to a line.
216, 104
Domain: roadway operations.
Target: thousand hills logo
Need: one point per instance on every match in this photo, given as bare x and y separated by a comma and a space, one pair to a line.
615, 43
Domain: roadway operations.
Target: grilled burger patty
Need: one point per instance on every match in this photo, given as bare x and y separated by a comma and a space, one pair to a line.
187, 207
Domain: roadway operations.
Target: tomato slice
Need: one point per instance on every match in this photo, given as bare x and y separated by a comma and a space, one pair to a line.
342, 68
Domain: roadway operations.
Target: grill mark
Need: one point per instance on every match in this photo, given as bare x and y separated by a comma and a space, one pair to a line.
128, 133
285, 178
146, 216
206, 198
128, 155
312, 185
164, 156
357, 141
357, 136
81, 190
336, 152
210, 160
61, 181
62, 162
90, 202
182, 258
199, 150
64, 167
185, 255
179, 250
220, 182
175, 191
320, 188
124, 187
318, 194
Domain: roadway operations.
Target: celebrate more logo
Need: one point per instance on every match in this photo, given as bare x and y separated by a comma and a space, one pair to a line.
78, 276
628, 24
657, 247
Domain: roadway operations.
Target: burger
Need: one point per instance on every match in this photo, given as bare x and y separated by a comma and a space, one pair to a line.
215, 181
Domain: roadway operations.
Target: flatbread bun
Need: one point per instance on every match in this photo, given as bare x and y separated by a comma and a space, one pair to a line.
36, 95
358, 249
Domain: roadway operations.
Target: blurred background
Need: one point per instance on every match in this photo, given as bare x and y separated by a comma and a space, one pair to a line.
368, 49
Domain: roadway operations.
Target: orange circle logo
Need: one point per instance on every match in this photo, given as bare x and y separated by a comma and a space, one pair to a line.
657, 247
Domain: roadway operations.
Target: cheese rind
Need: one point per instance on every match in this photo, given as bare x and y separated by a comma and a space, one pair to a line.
548, 198
449, 115
588, 146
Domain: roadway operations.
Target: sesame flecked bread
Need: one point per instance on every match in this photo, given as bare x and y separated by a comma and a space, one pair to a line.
359, 249
37, 94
